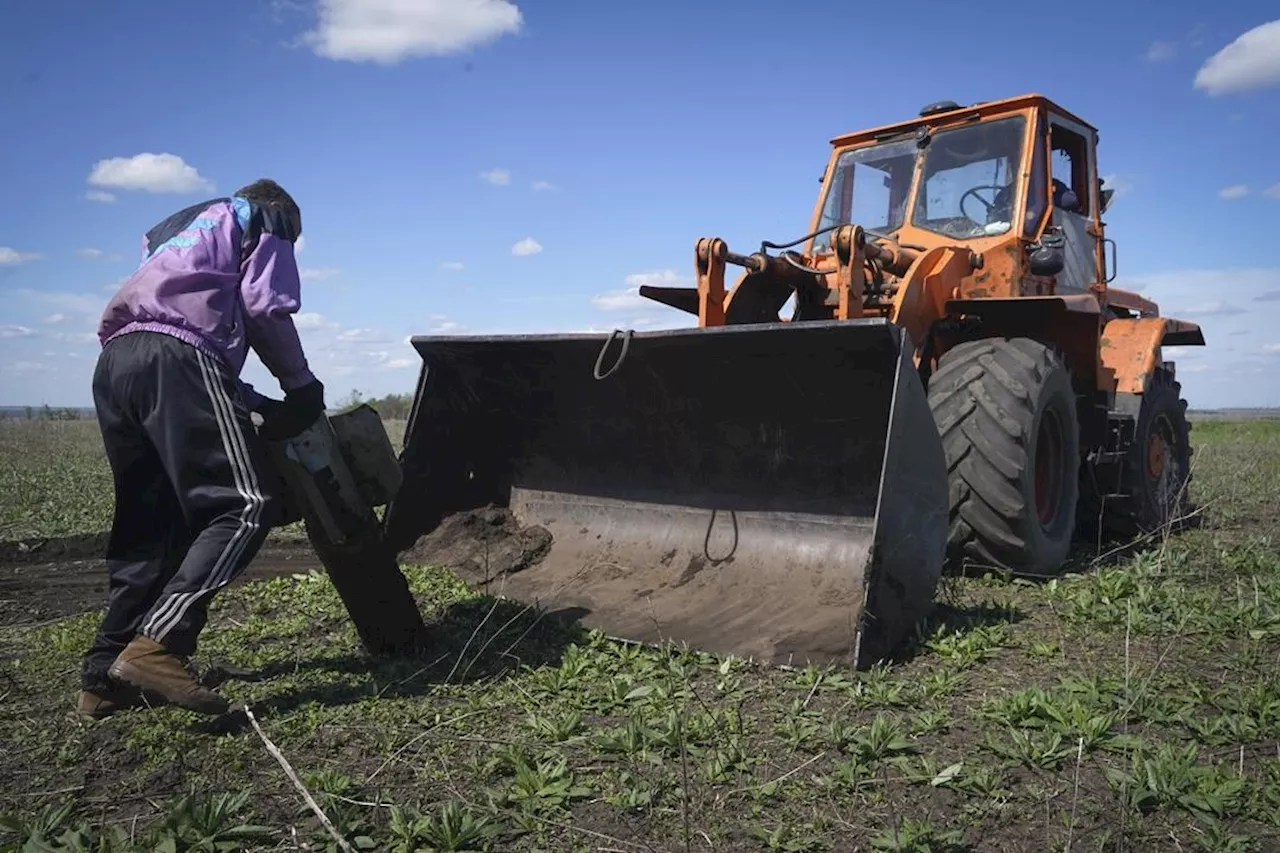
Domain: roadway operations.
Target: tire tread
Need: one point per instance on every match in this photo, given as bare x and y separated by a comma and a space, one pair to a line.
984, 395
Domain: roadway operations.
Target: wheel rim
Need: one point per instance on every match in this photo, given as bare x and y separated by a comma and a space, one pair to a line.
1048, 468
1162, 465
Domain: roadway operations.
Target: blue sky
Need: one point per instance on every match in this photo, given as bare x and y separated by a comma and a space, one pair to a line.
489, 166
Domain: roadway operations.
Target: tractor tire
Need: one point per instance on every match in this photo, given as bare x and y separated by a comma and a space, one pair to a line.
1156, 470
1006, 412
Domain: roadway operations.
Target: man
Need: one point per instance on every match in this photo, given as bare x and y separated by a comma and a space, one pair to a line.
193, 490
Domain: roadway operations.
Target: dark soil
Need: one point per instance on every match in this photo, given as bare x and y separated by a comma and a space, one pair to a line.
481, 545
45, 580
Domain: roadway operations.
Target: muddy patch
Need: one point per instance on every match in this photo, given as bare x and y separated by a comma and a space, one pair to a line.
50, 550
33, 591
481, 545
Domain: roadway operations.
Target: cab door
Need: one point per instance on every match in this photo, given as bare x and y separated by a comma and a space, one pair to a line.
1075, 204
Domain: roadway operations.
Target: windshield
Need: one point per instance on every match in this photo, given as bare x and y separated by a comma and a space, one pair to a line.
969, 179
869, 187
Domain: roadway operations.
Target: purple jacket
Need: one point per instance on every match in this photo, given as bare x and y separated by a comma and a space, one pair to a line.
221, 276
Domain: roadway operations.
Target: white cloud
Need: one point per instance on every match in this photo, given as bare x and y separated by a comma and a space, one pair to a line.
1269, 296
26, 367
299, 245
1161, 50
54, 319
77, 337
16, 332
389, 31
153, 173
1189, 286
1120, 183
1272, 191
1211, 309
10, 256
1252, 61
1233, 191
452, 266
497, 177
97, 255
364, 335
75, 304
1271, 347
630, 298
312, 320
659, 278
527, 246
543, 186
317, 273
619, 300
100, 196
401, 363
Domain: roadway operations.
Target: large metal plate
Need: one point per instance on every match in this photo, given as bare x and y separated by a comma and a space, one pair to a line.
732, 487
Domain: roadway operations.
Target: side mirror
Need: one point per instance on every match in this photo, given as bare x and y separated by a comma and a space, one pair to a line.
1047, 257
1105, 198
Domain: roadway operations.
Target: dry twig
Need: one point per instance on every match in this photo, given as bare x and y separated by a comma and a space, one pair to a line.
297, 783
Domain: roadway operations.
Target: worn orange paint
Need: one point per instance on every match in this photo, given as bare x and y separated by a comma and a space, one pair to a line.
922, 296
708, 259
930, 277
1133, 302
851, 261
1130, 349
961, 115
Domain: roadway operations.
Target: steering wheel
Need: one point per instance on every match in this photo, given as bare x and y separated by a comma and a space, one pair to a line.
987, 204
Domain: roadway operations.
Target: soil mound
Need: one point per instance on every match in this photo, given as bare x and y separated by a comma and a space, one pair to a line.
481, 545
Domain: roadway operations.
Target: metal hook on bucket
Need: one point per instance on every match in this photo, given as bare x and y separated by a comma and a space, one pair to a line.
706, 542
626, 343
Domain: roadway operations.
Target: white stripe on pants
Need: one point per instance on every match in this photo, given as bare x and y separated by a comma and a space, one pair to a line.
170, 613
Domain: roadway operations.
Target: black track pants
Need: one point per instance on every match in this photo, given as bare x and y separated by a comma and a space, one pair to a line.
193, 503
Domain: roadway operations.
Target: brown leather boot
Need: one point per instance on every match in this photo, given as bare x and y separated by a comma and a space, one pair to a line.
105, 701
144, 663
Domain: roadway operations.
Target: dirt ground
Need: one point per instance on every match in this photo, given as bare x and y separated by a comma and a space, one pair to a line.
481, 545
46, 580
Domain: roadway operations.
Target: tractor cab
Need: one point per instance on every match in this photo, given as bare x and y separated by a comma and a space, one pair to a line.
1015, 181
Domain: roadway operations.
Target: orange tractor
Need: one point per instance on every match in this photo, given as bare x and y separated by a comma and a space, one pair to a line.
938, 372
1056, 409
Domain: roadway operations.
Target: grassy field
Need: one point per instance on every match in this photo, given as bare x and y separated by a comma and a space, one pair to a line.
1133, 704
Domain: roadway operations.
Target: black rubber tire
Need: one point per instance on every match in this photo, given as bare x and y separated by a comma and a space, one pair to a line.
1147, 506
990, 398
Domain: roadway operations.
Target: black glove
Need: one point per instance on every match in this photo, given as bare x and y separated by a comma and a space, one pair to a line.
301, 408
268, 408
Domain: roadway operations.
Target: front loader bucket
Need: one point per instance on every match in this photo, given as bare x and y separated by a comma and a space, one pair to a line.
776, 491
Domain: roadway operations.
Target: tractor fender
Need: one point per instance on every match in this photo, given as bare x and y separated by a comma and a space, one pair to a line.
1069, 323
1130, 348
